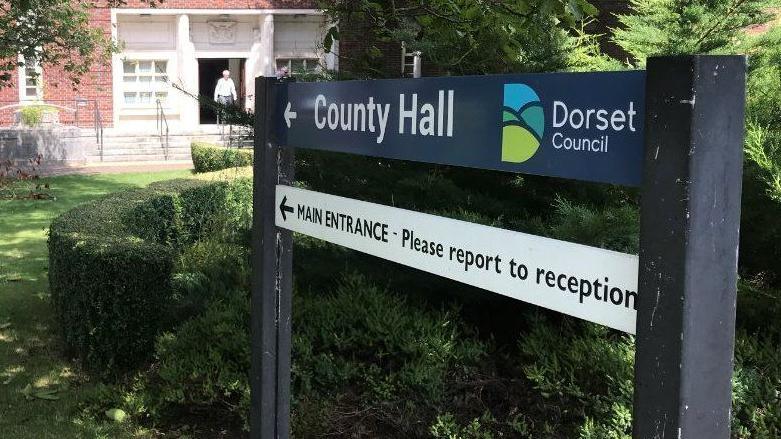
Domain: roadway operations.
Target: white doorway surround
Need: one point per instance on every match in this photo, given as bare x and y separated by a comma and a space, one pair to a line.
163, 46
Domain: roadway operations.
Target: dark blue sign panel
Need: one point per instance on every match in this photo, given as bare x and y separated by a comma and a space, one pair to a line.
584, 126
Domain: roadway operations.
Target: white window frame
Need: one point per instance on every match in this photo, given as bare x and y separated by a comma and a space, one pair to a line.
23, 78
156, 86
318, 63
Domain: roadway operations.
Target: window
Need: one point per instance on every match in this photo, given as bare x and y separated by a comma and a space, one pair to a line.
144, 82
294, 65
31, 87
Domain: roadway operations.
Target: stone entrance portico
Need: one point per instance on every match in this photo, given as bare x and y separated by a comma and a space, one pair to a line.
162, 45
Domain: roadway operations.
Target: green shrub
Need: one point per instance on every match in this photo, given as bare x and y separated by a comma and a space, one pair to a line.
756, 387
615, 228
111, 265
187, 210
208, 157
206, 361
109, 287
360, 348
586, 368
209, 270
32, 115
447, 427
385, 356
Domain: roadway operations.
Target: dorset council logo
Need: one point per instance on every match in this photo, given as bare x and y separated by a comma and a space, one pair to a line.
523, 123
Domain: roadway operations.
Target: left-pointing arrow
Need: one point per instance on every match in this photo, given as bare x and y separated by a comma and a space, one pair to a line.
289, 115
284, 208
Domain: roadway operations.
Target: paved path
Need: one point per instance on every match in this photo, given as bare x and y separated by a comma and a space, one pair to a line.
115, 168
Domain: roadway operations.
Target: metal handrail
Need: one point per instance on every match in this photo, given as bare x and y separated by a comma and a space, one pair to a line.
221, 126
98, 129
162, 128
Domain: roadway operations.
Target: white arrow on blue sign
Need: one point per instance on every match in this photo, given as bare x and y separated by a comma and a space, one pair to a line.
584, 126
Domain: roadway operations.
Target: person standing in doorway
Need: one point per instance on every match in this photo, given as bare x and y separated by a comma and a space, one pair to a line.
225, 92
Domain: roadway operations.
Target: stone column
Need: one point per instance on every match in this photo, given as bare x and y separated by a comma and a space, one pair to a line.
261, 60
116, 74
187, 75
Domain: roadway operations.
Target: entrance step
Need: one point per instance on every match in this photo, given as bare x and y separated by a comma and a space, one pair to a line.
134, 147
140, 158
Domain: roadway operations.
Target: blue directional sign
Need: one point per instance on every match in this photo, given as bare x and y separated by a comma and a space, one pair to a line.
585, 126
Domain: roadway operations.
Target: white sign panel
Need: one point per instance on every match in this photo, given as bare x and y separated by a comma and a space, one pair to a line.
585, 282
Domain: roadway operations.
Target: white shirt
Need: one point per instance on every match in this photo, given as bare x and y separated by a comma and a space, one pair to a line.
225, 87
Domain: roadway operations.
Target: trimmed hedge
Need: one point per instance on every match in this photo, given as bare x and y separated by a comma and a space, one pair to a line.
208, 157
111, 262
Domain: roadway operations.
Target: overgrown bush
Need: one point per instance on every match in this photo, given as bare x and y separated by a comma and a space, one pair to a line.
111, 265
392, 362
208, 157
358, 348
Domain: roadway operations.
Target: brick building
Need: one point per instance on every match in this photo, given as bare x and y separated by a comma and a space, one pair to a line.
188, 43
185, 45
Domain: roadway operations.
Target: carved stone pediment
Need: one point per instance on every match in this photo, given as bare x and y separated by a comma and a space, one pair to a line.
222, 32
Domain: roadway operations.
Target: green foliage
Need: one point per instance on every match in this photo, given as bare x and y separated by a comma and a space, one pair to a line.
756, 387
111, 264
761, 206
666, 27
758, 308
157, 219
447, 427
205, 362
763, 139
586, 368
387, 348
763, 148
463, 37
32, 115
109, 291
615, 228
669, 27
207, 271
358, 343
55, 33
208, 157
584, 53
179, 211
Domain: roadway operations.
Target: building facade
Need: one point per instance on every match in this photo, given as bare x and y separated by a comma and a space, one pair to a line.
172, 53
178, 49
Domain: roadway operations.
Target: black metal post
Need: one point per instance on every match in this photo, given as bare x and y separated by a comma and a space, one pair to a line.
272, 275
690, 217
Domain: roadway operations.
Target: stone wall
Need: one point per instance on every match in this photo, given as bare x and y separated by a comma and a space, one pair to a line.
58, 145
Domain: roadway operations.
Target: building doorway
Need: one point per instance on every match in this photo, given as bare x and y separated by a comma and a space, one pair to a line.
209, 72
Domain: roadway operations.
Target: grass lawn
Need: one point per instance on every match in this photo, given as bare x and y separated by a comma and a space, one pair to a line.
31, 360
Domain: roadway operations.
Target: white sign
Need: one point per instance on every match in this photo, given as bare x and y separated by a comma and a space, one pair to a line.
585, 282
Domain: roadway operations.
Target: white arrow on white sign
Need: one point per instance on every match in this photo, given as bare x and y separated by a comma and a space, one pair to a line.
289, 115
587, 282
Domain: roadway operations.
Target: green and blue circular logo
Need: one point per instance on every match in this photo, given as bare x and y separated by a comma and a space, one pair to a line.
523, 123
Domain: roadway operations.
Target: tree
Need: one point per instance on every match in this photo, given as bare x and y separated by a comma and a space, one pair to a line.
52, 32
464, 36
671, 27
